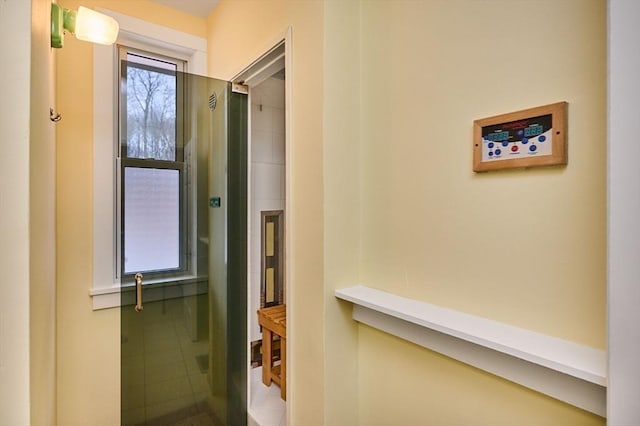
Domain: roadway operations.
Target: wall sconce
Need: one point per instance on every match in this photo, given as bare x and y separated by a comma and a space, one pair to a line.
86, 24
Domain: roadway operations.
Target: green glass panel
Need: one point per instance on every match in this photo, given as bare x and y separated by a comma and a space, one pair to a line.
184, 355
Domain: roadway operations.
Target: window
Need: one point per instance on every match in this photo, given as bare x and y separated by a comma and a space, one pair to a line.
107, 167
152, 185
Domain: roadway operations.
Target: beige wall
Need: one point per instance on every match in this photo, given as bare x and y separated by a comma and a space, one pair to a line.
42, 221
413, 386
88, 342
401, 201
342, 204
382, 193
526, 247
231, 48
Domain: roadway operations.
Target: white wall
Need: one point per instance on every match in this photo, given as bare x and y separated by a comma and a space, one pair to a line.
15, 26
624, 210
27, 254
267, 174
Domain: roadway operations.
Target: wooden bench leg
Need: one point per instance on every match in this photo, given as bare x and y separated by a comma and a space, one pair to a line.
267, 356
283, 367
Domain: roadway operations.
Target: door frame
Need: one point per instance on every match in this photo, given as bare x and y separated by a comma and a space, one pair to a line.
250, 71
623, 231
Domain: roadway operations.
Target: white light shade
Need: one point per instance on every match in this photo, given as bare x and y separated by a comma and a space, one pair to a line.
95, 27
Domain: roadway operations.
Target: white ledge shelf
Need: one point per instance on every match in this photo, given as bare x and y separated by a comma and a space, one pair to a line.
564, 370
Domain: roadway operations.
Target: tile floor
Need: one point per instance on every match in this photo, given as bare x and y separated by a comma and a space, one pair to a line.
266, 407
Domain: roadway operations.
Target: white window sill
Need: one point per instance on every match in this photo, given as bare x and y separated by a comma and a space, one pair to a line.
110, 297
564, 370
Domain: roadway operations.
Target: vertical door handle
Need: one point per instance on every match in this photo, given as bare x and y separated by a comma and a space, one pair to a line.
138, 279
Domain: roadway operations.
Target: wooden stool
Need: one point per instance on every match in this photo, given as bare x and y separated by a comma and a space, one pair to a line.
274, 321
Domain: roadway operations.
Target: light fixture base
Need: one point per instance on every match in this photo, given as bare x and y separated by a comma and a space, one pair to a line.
57, 26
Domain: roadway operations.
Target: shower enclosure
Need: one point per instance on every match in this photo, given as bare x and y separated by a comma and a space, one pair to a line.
182, 251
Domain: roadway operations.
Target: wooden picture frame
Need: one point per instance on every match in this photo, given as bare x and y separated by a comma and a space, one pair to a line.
528, 138
272, 277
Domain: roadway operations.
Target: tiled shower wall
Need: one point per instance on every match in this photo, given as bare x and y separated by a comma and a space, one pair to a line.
268, 174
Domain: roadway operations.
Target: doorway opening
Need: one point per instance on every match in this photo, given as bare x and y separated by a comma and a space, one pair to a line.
266, 82
183, 351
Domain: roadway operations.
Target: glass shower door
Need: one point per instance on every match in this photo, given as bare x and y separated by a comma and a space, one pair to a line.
183, 328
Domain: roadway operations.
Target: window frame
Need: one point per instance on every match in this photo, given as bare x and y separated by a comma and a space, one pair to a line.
184, 263
181, 69
104, 288
180, 163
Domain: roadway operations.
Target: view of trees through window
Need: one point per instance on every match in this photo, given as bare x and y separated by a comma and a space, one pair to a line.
151, 109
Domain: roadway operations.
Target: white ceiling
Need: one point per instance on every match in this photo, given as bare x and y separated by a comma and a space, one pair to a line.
202, 8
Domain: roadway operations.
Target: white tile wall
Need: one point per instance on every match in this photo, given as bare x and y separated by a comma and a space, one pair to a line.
267, 173
269, 93
277, 118
261, 146
267, 181
277, 146
261, 117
